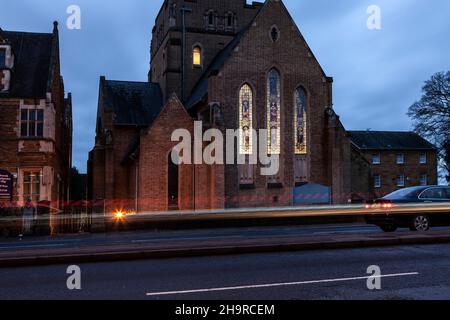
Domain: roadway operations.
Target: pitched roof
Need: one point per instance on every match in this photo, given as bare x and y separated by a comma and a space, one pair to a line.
32, 63
133, 103
389, 140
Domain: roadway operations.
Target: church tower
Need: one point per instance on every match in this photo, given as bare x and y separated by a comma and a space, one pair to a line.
188, 35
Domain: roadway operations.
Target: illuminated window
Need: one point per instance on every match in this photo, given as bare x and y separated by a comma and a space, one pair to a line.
273, 113
246, 119
300, 121
197, 56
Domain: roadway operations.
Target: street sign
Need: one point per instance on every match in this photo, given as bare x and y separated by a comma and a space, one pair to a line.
6, 185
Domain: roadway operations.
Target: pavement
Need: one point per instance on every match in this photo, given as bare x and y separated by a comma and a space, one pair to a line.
170, 244
410, 272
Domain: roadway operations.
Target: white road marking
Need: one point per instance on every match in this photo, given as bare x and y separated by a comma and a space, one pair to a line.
152, 294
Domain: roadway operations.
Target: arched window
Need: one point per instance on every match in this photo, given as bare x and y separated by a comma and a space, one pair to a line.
300, 107
197, 56
229, 21
246, 119
211, 18
273, 112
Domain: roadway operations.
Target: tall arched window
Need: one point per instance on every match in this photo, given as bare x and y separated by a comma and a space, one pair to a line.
273, 112
197, 56
300, 107
246, 119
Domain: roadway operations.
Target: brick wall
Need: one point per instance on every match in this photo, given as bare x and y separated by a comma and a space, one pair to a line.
166, 47
412, 169
155, 147
250, 62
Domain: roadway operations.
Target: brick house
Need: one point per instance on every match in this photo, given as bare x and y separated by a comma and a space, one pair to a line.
230, 65
397, 160
35, 117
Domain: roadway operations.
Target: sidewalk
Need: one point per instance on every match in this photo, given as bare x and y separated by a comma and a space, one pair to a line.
173, 248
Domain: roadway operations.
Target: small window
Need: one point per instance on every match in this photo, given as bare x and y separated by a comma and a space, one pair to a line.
376, 158
211, 19
377, 181
401, 181
197, 56
230, 21
32, 123
423, 179
400, 158
423, 158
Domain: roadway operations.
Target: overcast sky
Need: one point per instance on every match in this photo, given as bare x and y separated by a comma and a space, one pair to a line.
377, 74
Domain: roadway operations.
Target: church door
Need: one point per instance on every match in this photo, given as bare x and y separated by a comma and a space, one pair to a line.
173, 176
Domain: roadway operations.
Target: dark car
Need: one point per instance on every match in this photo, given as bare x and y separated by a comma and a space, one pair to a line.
390, 222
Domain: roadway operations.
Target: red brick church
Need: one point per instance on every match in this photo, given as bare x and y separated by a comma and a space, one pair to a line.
231, 65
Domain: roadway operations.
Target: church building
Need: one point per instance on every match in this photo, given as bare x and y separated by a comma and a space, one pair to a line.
230, 65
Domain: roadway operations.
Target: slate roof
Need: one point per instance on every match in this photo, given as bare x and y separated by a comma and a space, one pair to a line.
32, 63
389, 140
133, 103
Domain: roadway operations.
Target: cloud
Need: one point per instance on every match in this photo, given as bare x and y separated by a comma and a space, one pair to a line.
378, 74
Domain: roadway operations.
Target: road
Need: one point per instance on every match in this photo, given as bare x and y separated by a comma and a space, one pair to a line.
413, 272
183, 236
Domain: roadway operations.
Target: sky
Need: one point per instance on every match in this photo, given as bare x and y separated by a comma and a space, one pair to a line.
377, 74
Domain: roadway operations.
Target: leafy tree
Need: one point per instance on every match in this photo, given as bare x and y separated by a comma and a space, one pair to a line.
431, 116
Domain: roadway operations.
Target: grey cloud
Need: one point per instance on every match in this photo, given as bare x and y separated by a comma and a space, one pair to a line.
378, 74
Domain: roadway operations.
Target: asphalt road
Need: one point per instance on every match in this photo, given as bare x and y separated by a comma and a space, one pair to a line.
412, 272
183, 236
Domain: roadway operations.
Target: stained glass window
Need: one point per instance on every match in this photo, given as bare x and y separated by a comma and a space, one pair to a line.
300, 115
273, 112
246, 119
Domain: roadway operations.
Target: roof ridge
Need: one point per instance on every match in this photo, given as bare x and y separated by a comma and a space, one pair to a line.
29, 33
130, 81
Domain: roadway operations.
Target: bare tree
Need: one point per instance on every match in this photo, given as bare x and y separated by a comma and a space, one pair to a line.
431, 116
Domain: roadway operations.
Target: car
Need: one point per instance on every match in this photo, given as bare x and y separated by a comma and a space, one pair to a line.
390, 222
